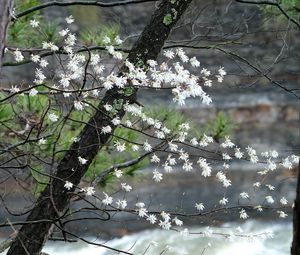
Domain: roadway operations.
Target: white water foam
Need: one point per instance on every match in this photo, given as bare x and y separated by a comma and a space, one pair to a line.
188, 245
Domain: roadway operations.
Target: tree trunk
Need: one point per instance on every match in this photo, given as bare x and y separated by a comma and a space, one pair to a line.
295, 249
55, 199
5, 17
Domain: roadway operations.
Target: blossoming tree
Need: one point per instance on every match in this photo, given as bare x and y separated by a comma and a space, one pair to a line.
88, 125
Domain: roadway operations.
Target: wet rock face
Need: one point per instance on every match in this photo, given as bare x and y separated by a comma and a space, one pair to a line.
264, 117
177, 193
180, 191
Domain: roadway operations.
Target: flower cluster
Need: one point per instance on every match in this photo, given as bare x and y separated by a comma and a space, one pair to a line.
167, 148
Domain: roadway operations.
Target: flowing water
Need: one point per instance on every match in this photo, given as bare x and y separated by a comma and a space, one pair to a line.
193, 244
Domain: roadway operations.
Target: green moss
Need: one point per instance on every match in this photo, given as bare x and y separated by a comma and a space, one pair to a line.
128, 91
168, 19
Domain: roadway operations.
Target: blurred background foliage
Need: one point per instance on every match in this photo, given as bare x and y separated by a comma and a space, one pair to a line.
291, 7
23, 109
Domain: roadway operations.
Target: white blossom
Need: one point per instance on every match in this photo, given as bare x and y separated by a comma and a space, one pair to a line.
154, 158
169, 54
172, 146
82, 161
177, 221
282, 214
270, 187
106, 130
283, 201
121, 203
50, 45
194, 62
194, 141
78, 105
142, 212
165, 224
34, 23
116, 121
227, 143
206, 169
187, 166
106, 40
126, 187
118, 173
257, 184
199, 206
53, 117
222, 72
205, 72
89, 191
18, 55
226, 156
165, 216
70, 19
33, 92
64, 32
35, 58
207, 82
140, 204
151, 218
237, 153
107, 199
223, 201
287, 163
42, 141
68, 185
118, 40
243, 214
14, 89
244, 195
120, 146
147, 146
157, 176
270, 199
43, 63
151, 63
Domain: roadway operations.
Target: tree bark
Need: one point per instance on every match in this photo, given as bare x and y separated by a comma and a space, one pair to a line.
6, 7
54, 200
295, 249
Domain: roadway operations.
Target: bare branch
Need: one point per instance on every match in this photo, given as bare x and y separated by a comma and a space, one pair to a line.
86, 3
273, 3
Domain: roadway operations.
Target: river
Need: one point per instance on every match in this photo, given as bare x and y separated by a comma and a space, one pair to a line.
190, 245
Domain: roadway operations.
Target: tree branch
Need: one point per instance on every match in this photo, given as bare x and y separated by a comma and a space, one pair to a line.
6, 7
273, 3
55, 198
295, 249
86, 3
